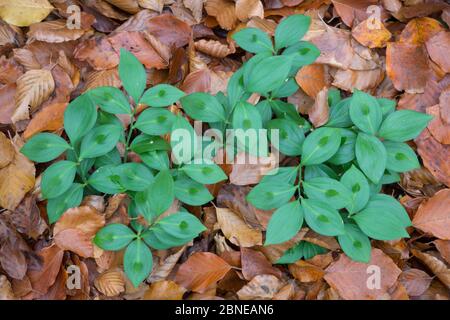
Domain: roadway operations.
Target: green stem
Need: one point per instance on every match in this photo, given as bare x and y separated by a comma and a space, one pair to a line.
130, 132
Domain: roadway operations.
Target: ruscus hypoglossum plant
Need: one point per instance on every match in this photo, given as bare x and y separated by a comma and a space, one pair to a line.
343, 165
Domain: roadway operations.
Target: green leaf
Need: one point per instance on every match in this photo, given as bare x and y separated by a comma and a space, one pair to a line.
287, 89
144, 143
158, 160
106, 180
157, 198
320, 145
356, 182
265, 111
268, 196
371, 156
44, 147
346, 151
400, 157
112, 157
285, 223
114, 237
58, 178
390, 177
183, 140
283, 174
245, 116
181, 225
137, 262
292, 255
355, 243
387, 106
319, 170
99, 141
80, 117
134, 176
253, 40
290, 136
69, 199
110, 99
290, 30
327, 190
161, 95
132, 74
322, 218
203, 106
236, 88
310, 250
334, 96
191, 192
268, 74
383, 218
155, 121
288, 111
205, 173
303, 53
404, 125
365, 112
340, 114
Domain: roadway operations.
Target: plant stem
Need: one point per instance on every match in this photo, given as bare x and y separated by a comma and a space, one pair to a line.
130, 132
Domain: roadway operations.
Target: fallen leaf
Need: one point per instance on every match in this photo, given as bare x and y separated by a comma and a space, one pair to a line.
130, 6
164, 290
54, 31
170, 30
372, 34
246, 9
200, 271
27, 218
365, 80
261, 287
33, 88
248, 169
418, 31
437, 47
433, 216
350, 10
43, 279
443, 247
437, 127
196, 7
305, 272
312, 79
111, 283
23, 13
319, 112
438, 267
355, 280
102, 78
98, 52
236, 230
163, 268
7, 151
213, 47
10, 70
224, 11
415, 281
6, 292
254, 263
50, 118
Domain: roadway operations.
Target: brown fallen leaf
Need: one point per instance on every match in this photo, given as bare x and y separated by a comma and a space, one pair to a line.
214, 48
438, 128
10, 70
366, 80
7, 151
130, 6
438, 267
164, 290
433, 216
437, 47
261, 287
349, 10
111, 282
418, 31
13, 12
201, 271
248, 169
170, 30
265, 25
372, 34
254, 263
6, 292
318, 114
7, 101
76, 228
33, 88
356, 280
50, 118
415, 281
443, 247
236, 230
54, 31
275, 251
312, 79
246, 9
163, 268
43, 279
27, 218
306, 272
224, 11
98, 52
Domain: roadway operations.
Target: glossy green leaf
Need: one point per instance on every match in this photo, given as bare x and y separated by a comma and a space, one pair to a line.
161, 95
114, 237
356, 182
268, 74
145, 143
105, 179
365, 112
204, 173
355, 243
203, 106
253, 40
346, 151
282, 174
132, 74
134, 176
80, 117
327, 190
155, 121
191, 192
58, 178
320, 145
303, 53
110, 99
400, 157
69, 199
371, 156
285, 223
137, 262
339, 116
99, 141
268, 196
322, 218
44, 147
404, 125
181, 225
291, 29
290, 136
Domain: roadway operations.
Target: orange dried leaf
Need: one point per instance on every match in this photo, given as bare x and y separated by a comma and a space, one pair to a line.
50, 118
164, 290
372, 34
312, 79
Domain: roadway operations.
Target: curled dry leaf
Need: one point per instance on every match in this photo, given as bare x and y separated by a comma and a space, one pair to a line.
312, 79
224, 11
130, 6
438, 47
248, 169
353, 280
254, 263
196, 7
213, 48
44, 278
76, 228
318, 114
246, 9
443, 247
16, 179
23, 13
163, 268
433, 216
415, 281
27, 218
111, 282
236, 230
33, 88
201, 271
98, 52
164, 290
261, 287
349, 10
275, 251
329, 243
7, 151
372, 34
170, 30
108, 78
438, 128
54, 31
438, 267
306, 272
365, 80
50, 118
10, 70
155, 5
265, 25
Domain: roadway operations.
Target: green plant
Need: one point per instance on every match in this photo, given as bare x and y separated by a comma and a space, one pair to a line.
94, 165
343, 165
